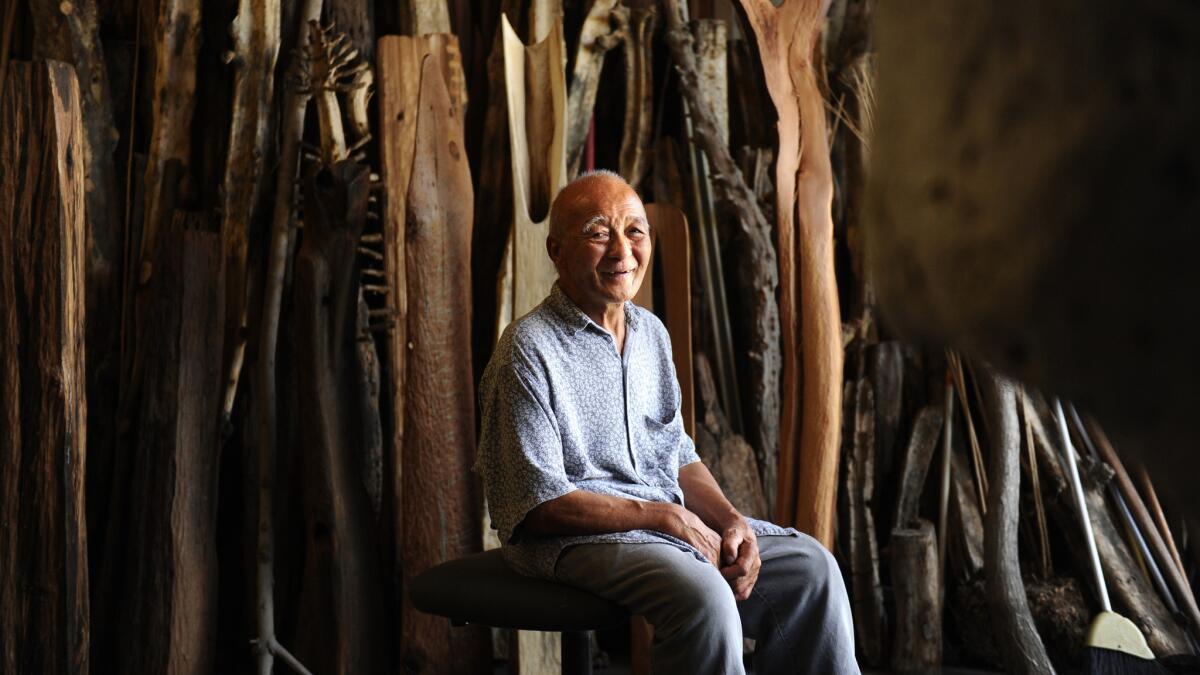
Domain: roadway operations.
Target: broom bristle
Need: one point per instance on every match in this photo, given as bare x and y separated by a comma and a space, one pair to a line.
1101, 661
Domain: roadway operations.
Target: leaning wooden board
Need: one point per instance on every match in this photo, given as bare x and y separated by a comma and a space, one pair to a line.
788, 39
428, 242
43, 546
535, 87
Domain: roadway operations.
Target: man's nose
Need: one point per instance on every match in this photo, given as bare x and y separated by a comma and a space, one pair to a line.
620, 247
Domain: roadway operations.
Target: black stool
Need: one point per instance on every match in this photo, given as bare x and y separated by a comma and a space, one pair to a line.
481, 589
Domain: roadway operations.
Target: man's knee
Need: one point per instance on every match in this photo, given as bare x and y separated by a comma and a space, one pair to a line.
703, 604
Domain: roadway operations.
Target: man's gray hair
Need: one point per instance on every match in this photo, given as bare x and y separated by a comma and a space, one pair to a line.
556, 223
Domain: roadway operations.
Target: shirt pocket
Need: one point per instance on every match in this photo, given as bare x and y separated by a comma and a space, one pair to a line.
659, 456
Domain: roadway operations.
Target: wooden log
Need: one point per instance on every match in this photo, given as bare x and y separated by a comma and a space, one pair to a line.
634, 158
727, 455
788, 41
1130, 589
966, 555
922, 443
866, 589
885, 368
169, 606
44, 611
438, 499
712, 59
602, 30
340, 624
917, 583
1017, 638
424, 17
255, 33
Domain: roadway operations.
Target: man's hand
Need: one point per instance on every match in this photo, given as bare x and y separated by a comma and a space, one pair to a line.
683, 524
739, 557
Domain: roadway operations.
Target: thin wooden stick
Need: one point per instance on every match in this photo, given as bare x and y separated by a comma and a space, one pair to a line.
981, 486
1035, 484
1159, 518
947, 448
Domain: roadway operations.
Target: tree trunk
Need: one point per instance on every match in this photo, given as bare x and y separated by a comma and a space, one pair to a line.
340, 616
917, 582
170, 570
437, 501
1016, 636
44, 625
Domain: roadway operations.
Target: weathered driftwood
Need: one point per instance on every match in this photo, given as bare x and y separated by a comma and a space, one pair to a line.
712, 59
1017, 638
885, 368
916, 581
70, 32
788, 41
340, 624
423, 17
255, 33
44, 616
634, 159
921, 444
297, 94
603, 28
870, 620
169, 606
1128, 585
726, 454
965, 554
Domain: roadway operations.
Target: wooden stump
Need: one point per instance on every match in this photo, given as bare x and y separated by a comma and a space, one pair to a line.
916, 581
44, 625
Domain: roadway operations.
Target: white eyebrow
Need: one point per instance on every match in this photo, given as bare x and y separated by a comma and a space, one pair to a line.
598, 219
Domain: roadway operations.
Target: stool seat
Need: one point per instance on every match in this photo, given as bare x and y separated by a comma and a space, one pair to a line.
482, 589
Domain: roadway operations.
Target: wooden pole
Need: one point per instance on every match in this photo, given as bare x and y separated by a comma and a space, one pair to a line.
44, 613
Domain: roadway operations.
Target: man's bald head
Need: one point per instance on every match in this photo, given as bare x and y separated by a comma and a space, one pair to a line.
576, 194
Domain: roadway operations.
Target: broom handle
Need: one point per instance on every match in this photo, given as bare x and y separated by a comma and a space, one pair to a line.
1077, 488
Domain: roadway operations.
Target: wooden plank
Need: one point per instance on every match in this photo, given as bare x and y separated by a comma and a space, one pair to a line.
44, 624
169, 592
340, 615
673, 249
788, 39
440, 522
926, 431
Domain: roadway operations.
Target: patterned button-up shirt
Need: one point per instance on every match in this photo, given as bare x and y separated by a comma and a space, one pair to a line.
563, 410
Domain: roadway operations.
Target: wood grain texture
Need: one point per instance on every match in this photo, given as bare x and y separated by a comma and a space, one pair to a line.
916, 581
439, 499
673, 250
870, 621
635, 156
1016, 636
169, 590
44, 612
598, 34
340, 616
921, 445
788, 39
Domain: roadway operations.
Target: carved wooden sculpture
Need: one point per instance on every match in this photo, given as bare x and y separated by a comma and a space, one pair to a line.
788, 39
603, 29
427, 235
341, 612
44, 624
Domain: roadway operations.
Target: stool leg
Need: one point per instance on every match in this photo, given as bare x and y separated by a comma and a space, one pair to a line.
577, 652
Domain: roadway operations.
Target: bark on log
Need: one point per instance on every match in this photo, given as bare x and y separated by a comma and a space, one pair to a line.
867, 592
437, 501
170, 570
255, 32
340, 616
634, 157
921, 445
1128, 586
788, 41
726, 454
712, 58
1017, 637
757, 278
917, 583
44, 618
602, 30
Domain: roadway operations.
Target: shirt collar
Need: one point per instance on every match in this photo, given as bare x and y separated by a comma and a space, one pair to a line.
575, 318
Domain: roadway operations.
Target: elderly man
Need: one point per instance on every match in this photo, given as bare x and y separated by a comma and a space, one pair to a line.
592, 481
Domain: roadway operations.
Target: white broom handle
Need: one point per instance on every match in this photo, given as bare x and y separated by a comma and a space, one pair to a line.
1077, 487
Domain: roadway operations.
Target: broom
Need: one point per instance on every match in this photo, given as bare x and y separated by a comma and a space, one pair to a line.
1114, 643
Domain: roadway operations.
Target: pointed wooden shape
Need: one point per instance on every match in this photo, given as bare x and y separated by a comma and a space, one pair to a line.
788, 38
673, 249
44, 626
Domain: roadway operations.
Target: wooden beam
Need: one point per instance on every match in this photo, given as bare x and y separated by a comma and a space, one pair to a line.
44, 613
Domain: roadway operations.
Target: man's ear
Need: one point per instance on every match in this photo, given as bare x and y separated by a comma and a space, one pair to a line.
553, 249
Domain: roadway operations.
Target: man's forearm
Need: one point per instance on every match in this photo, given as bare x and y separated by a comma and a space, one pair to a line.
702, 496
583, 512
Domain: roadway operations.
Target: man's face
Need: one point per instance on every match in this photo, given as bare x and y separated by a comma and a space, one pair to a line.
603, 246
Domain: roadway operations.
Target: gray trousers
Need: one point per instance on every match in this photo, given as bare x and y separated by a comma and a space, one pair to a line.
797, 613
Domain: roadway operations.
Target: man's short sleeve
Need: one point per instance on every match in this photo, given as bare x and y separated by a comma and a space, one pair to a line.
520, 451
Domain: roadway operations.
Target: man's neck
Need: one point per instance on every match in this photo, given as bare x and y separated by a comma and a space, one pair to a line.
609, 316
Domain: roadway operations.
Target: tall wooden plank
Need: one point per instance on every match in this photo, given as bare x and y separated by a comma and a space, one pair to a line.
439, 498
169, 587
44, 626
673, 248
